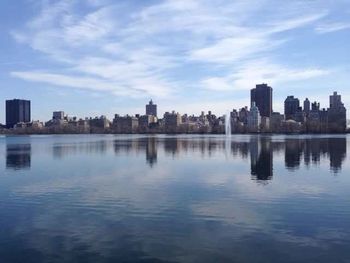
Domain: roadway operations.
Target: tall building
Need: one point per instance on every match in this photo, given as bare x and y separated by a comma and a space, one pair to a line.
262, 96
315, 106
307, 106
151, 109
17, 111
336, 114
254, 119
291, 106
335, 101
243, 115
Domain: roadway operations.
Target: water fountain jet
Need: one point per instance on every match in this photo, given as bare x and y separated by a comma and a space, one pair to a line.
228, 129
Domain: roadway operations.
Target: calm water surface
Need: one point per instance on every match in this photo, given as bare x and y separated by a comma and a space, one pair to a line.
105, 198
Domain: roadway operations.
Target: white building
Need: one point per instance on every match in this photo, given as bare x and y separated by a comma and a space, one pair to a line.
254, 119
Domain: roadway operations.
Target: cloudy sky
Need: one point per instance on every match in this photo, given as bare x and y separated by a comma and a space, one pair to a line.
94, 57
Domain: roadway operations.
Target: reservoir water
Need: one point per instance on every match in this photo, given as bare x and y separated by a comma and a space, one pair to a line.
133, 198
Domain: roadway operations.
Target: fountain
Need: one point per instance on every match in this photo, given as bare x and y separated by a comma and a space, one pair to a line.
228, 124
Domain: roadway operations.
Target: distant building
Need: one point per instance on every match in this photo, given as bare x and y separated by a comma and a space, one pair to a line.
99, 122
126, 124
336, 114
243, 115
171, 121
299, 115
254, 119
146, 121
315, 106
291, 126
36, 125
58, 115
265, 124
17, 111
276, 122
291, 106
262, 96
151, 109
335, 101
307, 106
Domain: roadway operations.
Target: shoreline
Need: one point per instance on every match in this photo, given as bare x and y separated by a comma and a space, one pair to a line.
223, 134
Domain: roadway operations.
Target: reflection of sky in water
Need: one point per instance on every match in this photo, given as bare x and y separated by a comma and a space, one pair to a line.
174, 199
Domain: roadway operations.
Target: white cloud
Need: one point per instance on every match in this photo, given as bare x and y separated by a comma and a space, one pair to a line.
289, 24
332, 27
136, 88
261, 71
138, 51
231, 50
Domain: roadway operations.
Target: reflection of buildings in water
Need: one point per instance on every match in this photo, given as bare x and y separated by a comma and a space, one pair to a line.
261, 157
293, 153
148, 145
151, 151
260, 149
62, 150
241, 148
313, 150
18, 156
337, 153
171, 145
124, 145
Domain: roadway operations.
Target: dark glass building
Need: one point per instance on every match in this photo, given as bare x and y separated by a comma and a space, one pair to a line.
151, 109
291, 106
262, 96
17, 111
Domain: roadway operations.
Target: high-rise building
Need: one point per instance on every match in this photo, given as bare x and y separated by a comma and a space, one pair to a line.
336, 114
335, 101
291, 106
262, 96
315, 106
307, 105
243, 115
151, 109
17, 111
254, 118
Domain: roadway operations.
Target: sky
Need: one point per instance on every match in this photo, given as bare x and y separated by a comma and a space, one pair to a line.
106, 57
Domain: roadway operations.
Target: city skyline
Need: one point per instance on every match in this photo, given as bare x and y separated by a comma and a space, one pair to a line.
193, 55
151, 109
259, 118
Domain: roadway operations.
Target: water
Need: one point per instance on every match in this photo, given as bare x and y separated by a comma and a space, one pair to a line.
174, 199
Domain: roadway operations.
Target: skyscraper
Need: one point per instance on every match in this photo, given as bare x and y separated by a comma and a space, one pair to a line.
291, 106
17, 111
262, 96
336, 114
335, 101
151, 109
307, 105
254, 118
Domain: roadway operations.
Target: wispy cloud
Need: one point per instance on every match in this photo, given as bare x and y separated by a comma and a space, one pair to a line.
332, 27
260, 71
164, 48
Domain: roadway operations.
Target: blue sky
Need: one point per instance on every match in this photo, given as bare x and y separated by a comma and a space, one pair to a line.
94, 57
